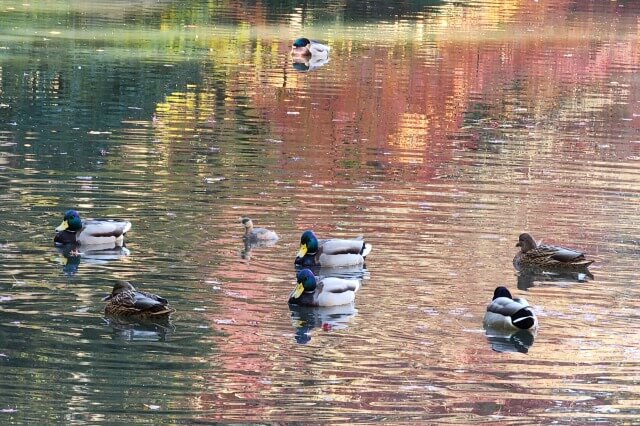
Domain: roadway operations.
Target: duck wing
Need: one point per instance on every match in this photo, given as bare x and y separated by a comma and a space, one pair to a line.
318, 48
561, 254
333, 291
335, 247
152, 296
505, 306
553, 256
106, 228
151, 303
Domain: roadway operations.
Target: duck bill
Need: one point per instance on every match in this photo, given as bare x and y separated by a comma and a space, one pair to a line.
297, 292
518, 244
64, 225
302, 251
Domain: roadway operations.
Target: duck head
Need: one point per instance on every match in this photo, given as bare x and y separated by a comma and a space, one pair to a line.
247, 222
306, 282
501, 292
308, 243
71, 221
119, 287
300, 47
526, 243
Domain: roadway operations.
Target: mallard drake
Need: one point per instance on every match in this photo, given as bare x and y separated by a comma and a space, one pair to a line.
506, 313
74, 230
126, 301
331, 253
304, 47
546, 256
256, 234
328, 291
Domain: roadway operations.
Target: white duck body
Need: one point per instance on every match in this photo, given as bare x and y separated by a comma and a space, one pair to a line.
318, 50
507, 313
336, 291
336, 253
103, 232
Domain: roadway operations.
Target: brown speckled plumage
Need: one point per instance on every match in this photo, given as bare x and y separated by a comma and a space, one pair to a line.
546, 256
126, 301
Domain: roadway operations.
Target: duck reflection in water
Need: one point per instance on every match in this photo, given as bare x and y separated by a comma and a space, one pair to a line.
140, 330
527, 277
354, 272
305, 318
306, 64
509, 340
250, 245
98, 254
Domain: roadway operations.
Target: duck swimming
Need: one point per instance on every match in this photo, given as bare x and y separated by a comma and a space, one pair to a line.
505, 312
74, 230
126, 301
303, 47
256, 234
331, 253
543, 256
328, 291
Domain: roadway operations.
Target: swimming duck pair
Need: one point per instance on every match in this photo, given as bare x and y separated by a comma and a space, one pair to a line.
124, 300
331, 253
508, 313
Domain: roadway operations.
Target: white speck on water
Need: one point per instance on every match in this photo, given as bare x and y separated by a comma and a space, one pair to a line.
213, 179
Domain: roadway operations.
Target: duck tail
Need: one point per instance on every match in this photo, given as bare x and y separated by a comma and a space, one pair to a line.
366, 249
523, 319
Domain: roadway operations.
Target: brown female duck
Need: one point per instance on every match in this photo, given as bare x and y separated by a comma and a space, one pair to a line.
126, 301
546, 256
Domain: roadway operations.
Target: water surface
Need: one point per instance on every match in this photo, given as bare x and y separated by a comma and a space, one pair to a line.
439, 131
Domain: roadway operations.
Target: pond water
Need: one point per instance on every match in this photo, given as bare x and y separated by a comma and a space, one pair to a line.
439, 130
